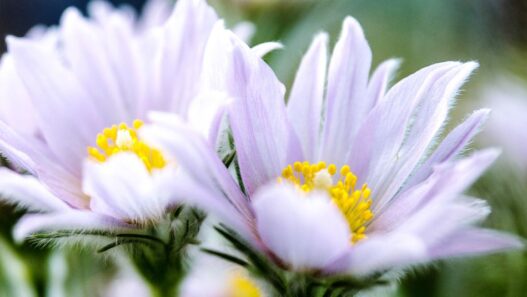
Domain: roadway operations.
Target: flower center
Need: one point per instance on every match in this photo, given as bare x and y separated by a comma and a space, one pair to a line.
241, 286
354, 203
121, 138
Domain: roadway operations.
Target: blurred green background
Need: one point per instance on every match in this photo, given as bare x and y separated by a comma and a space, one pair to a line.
420, 32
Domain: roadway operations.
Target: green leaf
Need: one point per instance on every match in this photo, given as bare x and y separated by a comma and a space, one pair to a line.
226, 257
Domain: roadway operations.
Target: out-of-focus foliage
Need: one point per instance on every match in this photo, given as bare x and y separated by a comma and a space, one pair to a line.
420, 32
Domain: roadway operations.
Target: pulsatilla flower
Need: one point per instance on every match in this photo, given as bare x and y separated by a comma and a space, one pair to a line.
90, 175
506, 96
346, 179
89, 88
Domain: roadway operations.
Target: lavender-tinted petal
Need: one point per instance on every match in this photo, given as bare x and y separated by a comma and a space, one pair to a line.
197, 158
176, 64
428, 119
304, 107
67, 117
473, 241
378, 253
73, 220
30, 154
451, 146
380, 137
245, 31
347, 100
263, 49
304, 232
87, 50
27, 191
380, 80
265, 141
123, 188
16, 108
155, 13
446, 183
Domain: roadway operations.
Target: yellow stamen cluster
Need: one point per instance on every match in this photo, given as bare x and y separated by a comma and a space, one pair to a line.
121, 138
241, 286
354, 203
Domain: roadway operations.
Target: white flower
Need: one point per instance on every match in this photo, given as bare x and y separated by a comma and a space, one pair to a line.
341, 181
507, 96
83, 88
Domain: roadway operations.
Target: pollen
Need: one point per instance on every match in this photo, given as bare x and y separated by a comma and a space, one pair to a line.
241, 286
341, 185
122, 138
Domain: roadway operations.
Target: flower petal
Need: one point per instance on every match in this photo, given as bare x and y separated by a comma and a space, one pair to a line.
123, 188
380, 79
67, 117
263, 49
195, 155
446, 184
379, 253
15, 104
28, 192
175, 65
305, 232
155, 13
381, 136
72, 220
429, 118
347, 90
475, 241
245, 31
264, 139
30, 153
451, 146
304, 107
88, 53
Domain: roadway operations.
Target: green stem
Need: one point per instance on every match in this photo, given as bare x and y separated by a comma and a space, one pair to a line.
162, 263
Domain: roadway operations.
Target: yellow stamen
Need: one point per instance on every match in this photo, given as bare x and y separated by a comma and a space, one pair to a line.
354, 203
241, 286
121, 138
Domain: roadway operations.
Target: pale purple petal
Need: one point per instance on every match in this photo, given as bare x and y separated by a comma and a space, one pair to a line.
16, 108
473, 241
244, 30
438, 219
102, 11
31, 154
88, 54
378, 253
155, 13
265, 142
506, 95
306, 232
446, 183
205, 112
17, 149
304, 107
123, 188
72, 220
381, 135
428, 119
175, 66
263, 49
27, 191
67, 117
380, 80
215, 202
347, 91
196, 156
451, 146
